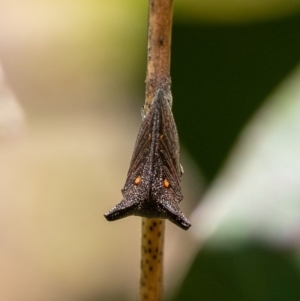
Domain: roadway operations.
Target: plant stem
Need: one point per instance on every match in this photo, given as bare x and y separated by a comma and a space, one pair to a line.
159, 46
151, 278
158, 74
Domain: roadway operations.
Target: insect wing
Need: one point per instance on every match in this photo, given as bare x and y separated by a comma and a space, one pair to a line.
141, 151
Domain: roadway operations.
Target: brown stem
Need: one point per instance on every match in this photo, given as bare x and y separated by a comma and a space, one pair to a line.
151, 278
159, 45
158, 75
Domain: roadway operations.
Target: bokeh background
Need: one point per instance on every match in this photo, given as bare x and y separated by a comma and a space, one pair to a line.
71, 89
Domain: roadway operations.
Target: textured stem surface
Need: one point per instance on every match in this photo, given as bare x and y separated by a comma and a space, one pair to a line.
159, 45
151, 278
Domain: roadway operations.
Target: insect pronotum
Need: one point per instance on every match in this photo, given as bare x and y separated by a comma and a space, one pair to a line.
152, 188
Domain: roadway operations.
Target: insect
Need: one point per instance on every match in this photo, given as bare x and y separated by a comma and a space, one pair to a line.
152, 188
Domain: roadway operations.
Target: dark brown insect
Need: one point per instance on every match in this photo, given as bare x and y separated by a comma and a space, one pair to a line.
152, 187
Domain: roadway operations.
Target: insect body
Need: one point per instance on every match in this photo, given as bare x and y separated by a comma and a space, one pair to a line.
152, 187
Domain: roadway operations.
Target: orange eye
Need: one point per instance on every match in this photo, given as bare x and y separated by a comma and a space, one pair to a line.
166, 183
138, 180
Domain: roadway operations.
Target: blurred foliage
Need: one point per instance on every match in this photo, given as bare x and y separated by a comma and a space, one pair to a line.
221, 74
252, 273
234, 11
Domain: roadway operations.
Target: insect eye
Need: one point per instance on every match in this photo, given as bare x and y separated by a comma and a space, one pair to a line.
138, 180
166, 183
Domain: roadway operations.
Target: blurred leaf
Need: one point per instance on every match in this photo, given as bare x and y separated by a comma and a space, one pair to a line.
11, 113
221, 74
252, 273
223, 79
234, 11
257, 194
